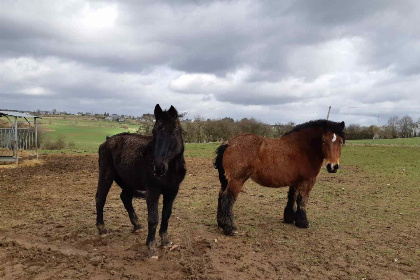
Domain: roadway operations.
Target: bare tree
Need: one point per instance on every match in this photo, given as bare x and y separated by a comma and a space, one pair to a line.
393, 124
280, 129
147, 121
406, 126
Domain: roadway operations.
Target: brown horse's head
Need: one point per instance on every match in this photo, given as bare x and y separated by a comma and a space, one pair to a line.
332, 140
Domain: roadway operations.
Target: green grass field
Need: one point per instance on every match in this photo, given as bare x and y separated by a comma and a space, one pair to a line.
87, 133
415, 141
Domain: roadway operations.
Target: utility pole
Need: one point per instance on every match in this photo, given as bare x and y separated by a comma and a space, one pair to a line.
328, 116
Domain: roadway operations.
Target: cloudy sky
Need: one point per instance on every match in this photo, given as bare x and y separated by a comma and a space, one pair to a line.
276, 61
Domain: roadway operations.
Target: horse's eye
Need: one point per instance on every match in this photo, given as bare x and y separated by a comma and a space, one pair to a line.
173, 133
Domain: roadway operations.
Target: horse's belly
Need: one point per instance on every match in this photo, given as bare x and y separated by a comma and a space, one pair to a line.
131, 178
269, 181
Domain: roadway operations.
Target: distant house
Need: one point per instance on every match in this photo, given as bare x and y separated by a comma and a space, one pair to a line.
416, 129
148, 116
109, 118
44, 113
121, 119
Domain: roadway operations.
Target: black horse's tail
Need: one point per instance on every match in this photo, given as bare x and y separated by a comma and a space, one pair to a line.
218, 164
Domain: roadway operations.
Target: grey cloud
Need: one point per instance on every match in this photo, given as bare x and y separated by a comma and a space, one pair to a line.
278, 40
256, 99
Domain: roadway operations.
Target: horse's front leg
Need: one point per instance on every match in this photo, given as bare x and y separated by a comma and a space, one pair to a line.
303, 190
290, 210
152, 201
168, 201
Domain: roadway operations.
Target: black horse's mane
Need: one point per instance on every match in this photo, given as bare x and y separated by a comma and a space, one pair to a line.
335, 127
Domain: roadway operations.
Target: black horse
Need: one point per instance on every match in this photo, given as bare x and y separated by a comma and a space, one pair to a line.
144, 166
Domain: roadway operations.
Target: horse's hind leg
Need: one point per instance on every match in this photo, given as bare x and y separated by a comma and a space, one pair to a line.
168, 200
127, 200
220, 212
225, 217
290, 210
104, 184
302, 197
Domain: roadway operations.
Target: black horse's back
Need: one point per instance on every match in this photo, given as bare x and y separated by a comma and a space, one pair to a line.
128, 142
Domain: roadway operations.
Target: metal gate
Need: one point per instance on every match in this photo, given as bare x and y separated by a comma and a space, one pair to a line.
7, 147
14, 139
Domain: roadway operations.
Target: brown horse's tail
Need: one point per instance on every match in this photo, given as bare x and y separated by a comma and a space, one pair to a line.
218, 164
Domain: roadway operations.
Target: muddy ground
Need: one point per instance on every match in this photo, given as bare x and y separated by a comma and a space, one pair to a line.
47, 229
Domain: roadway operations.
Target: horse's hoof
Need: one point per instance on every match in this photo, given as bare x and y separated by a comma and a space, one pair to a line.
288, 220
231, 231
102, 230
153, 252
164, 240
302, 224
137, 229
166, 244
151, 245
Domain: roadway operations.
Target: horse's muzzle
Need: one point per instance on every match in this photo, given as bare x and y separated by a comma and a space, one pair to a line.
159, 170
332, 169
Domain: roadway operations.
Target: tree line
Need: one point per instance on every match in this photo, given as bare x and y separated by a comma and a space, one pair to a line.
201, 130
395, 128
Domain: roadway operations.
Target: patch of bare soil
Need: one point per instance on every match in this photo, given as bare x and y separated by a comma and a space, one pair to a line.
47, 230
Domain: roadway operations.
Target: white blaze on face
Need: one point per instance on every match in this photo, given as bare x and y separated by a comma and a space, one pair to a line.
334, 138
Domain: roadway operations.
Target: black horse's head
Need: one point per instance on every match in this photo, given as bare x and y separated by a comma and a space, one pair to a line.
167, 139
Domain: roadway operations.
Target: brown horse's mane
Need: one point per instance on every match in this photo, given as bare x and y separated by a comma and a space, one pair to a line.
324, 124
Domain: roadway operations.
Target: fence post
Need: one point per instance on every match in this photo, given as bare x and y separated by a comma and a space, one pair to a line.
16, 146
36, 138
328, 115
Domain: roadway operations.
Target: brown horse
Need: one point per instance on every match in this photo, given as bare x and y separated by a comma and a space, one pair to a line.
294, 160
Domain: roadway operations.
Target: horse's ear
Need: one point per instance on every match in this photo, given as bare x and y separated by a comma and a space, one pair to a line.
173, 112
158, 111
342, 126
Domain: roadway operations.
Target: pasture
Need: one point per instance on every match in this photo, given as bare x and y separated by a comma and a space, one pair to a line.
414, 141
363, 222
86, 133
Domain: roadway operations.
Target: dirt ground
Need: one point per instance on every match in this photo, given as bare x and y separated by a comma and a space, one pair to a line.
47, 229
